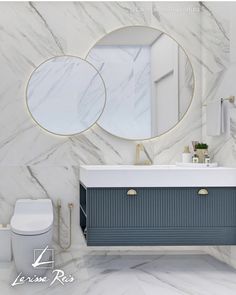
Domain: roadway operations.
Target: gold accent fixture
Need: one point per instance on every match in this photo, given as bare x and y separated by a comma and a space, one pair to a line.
140, 148
231, 99
132, 192
70, 206
203, 192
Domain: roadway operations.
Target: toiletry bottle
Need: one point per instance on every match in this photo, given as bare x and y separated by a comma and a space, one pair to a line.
186, 155
195, 158
207, 158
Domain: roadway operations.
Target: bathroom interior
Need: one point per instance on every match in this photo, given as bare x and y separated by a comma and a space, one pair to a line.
118, 147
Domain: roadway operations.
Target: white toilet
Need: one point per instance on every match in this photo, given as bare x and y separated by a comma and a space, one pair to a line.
31, 226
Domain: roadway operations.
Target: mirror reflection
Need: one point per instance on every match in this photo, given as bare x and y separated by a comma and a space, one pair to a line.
148, 78
65, 95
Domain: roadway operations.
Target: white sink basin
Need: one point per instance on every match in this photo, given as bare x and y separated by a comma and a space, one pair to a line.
156, 176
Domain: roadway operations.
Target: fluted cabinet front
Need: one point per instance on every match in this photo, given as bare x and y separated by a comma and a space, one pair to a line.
160, 216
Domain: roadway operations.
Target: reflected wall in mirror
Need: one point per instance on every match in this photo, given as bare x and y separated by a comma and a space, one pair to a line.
149, 82
65, 95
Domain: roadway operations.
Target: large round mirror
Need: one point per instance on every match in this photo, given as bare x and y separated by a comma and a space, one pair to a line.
149, 82
65, 95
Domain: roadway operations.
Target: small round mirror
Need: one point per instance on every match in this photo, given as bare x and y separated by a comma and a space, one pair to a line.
149, 82
65, 95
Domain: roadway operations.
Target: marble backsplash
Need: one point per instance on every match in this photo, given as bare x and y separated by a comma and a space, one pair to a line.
32, 32
34, 163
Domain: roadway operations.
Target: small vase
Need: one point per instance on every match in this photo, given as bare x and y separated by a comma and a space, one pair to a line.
201, 154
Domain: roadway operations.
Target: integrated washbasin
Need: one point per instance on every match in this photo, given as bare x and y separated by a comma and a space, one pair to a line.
156, 176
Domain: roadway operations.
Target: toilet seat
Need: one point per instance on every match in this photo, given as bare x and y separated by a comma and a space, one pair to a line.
29, 224
32, 217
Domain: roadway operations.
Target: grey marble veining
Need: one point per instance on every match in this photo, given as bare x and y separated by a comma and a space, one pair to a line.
127, 78
34, 145
34, 163
66, 95
218, 81
37, 164
98, 273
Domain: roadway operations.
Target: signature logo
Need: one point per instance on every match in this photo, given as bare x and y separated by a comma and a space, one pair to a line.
57, 275
37, 258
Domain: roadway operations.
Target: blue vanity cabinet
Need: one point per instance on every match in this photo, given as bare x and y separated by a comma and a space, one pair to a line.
158, 216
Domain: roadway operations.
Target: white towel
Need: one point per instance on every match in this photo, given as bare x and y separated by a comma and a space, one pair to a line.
227, 109
215, 124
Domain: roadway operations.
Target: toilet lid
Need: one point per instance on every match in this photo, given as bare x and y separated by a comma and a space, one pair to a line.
31, 224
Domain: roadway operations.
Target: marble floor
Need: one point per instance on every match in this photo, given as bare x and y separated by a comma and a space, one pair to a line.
105, 274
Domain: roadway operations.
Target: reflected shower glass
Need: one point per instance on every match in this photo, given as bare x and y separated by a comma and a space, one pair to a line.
149, 82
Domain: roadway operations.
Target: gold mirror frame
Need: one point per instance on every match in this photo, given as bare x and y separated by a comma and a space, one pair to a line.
193, 75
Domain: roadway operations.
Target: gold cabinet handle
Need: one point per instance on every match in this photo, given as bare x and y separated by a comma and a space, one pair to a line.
131, 192
203, 192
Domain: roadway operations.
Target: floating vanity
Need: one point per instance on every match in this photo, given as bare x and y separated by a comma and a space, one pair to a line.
157, 205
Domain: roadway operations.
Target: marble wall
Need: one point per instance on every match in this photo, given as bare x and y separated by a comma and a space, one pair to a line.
218, 56
34, 163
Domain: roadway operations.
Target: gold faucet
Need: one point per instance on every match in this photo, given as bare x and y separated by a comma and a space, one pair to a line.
141, 148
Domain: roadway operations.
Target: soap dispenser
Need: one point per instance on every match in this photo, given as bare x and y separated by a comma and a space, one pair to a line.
195, 158
207, 158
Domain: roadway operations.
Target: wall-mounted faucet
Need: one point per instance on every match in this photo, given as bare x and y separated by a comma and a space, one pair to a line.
141, 148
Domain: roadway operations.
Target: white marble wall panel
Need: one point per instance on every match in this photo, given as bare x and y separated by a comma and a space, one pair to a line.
185, 83
33, 32
41, 39
232, 33
218, 54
